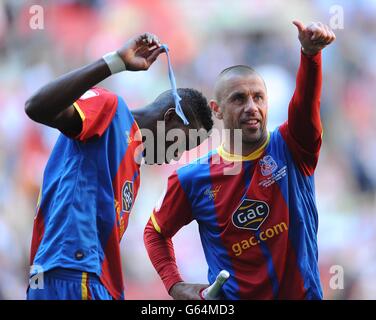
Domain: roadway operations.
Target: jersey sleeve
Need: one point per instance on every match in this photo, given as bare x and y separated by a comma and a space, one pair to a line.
162, 256
303, 131
96, 108
173, 211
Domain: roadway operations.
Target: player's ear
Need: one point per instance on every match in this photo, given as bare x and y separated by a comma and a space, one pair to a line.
169, 115
214, 106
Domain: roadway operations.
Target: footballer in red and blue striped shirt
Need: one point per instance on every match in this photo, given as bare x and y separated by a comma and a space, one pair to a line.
256, 211
92, 177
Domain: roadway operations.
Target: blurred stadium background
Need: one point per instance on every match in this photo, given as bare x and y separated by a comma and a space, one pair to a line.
204, 37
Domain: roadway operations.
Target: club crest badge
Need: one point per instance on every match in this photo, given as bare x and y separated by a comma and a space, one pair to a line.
268, 165
127, 196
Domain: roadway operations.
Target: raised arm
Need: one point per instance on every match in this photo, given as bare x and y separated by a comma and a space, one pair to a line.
303, 130
52, 105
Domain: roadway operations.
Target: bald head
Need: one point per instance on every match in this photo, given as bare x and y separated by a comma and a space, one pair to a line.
230, 72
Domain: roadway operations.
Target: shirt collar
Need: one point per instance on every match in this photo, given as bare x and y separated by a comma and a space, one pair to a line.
236, 157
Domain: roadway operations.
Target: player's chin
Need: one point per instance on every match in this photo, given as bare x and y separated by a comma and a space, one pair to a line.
252, 137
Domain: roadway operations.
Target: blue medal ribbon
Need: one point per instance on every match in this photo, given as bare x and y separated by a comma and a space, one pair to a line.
175, 94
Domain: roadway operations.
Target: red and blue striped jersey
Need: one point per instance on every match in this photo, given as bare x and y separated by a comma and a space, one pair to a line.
260, 224
88, 189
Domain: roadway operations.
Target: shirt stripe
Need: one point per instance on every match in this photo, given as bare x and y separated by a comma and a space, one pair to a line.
84, 288
155, 224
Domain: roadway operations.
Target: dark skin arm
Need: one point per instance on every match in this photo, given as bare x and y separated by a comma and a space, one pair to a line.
187, 291
52, 105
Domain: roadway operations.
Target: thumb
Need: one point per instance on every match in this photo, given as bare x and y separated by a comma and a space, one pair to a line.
153, 56
300, 26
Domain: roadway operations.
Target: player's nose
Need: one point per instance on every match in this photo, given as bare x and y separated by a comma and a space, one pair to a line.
250, 106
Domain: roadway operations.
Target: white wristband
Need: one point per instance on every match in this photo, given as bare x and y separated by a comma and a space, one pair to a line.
115, 62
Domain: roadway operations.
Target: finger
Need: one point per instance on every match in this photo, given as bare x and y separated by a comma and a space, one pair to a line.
328, 34
143, 38
325, 36
331, 34
150, 38
299, 25
333, 38
153, 56
322, 35
320, 45
143, 51
151, 49
156, 41
311, 29
146, 38
316, 31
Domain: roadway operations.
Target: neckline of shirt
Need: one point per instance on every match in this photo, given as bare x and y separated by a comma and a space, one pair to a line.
237, 157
